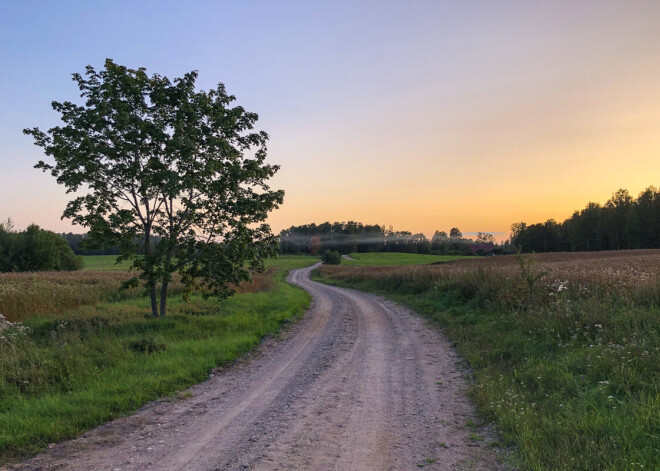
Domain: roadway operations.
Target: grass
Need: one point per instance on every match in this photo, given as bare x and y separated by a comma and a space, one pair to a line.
65, 373
26, 295
103, 263
392, 259
565, 350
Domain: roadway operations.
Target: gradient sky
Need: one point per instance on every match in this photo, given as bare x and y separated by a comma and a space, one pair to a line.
420, 114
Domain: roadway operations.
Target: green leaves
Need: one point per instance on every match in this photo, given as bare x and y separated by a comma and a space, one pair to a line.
156, 157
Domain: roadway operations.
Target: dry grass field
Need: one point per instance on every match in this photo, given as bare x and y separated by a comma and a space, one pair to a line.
26, 295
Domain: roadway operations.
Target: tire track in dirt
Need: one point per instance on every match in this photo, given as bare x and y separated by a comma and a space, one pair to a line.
359, 384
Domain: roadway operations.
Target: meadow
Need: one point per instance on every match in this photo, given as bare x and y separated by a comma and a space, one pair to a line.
564, 348
395, 259
104, 263
83, 359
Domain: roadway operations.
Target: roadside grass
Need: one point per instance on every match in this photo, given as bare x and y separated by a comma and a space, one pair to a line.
393, 258
66, 373
565, 354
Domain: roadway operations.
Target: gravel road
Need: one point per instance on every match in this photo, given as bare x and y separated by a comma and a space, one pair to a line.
359, 384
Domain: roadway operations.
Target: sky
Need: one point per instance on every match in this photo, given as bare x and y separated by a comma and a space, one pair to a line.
422, 115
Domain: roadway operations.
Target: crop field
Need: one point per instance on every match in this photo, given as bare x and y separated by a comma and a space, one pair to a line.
395, 259
564, 348
82, 357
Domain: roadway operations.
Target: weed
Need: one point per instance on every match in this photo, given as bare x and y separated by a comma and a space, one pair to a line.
146, 345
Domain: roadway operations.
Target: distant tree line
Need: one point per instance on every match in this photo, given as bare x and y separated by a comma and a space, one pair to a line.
351, 237
82, 244
623, 222
34, 249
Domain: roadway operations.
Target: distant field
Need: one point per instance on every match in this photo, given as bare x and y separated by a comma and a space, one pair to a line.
104, 263
392, 259
109, 262
564, 348
68, 372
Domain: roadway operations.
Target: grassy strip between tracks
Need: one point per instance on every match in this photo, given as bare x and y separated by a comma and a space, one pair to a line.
64, 374
568, 369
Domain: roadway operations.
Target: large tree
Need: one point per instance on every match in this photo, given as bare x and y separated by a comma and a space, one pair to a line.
145, 157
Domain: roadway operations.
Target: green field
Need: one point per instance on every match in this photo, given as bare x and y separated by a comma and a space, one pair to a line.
73, 371
392, 258
103, 263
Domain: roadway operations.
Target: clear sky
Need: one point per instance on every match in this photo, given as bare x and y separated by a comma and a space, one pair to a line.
420, 114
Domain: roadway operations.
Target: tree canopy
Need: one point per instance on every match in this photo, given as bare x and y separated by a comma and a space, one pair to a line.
146, 156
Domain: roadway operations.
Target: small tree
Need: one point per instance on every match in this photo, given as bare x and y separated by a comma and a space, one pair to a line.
331, 257
153, 157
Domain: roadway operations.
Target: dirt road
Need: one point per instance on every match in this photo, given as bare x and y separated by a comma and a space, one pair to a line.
359, 384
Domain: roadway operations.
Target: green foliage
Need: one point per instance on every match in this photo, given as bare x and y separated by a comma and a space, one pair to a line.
65, 374
331, 257
35, 249
570, 374
155, 158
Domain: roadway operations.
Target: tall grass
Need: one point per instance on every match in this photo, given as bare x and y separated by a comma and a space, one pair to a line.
62, 374
26, 295
565, 350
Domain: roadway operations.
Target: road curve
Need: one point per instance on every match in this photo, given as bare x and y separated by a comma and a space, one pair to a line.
359, 384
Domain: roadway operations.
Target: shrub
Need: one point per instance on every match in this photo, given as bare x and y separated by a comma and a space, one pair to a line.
36, 249
331, 257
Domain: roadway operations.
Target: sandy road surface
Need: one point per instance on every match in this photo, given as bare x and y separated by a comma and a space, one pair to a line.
354, 386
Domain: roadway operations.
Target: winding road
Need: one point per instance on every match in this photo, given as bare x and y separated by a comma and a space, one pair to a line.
359, 384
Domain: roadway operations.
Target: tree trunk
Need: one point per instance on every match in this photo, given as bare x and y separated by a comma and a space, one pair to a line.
163, 298
154, 302
150, 272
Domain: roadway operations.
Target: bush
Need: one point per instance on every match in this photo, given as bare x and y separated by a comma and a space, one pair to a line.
36, 249
331, 257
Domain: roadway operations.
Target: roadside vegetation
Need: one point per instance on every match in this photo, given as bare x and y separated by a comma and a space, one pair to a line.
63, 373
565, 348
